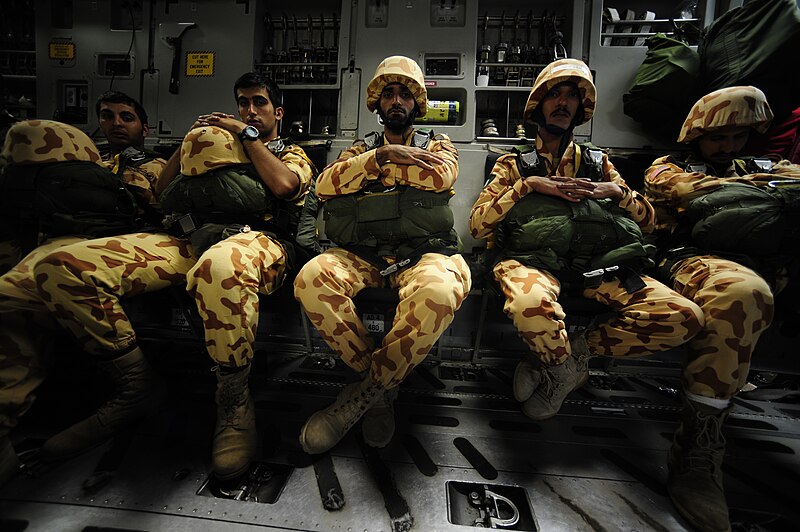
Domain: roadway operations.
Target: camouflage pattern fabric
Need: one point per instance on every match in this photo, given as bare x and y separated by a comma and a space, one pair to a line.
227, 279
652, 319
430, 292
508, 187
81, 284
47, 141
209, 147
737, 303
731, 106
738, 306
225, 284
141, 180
358, 167
561, 71
670, 188
27, 323
398, 69
27, 332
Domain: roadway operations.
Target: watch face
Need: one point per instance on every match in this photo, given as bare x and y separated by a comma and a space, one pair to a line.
249, 133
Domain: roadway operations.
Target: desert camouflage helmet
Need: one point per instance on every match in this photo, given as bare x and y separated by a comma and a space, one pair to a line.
731, 106
561, 71
47, 141
398, 69
209, 147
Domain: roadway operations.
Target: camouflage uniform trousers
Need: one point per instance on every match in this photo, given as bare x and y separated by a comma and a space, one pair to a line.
430, 292
738, 306
225, 284
27, 332
82, 284
654, 318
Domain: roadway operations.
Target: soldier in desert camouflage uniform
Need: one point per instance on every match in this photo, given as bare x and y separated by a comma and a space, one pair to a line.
533, 195
27, 327
234, 255
124, 123
737, 302
390, 242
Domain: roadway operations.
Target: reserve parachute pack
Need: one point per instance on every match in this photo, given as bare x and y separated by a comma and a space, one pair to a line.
573, 240
740, 220
66, 198
229, 193
399, 221
220, 202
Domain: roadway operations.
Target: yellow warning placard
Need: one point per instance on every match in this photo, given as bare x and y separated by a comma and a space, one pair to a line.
200, 64
61, 50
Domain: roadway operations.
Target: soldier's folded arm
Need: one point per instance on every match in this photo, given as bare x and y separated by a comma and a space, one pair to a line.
354, 168
496, 199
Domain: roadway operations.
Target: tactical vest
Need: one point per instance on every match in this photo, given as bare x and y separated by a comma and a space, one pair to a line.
65, 198
571, 239
399, 221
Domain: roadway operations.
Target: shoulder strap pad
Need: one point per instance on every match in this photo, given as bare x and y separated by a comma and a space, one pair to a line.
700, 168
422, 137
591, 162
277, 146
373, 140
133, 156
753, 165
528, 161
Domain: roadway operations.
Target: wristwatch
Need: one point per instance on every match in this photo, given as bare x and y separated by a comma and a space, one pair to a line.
248, 133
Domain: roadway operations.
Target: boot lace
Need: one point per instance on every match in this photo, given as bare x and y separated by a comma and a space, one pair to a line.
550, 384
709, 444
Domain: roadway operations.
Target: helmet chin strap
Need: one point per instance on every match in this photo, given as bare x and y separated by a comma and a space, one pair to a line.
558, 130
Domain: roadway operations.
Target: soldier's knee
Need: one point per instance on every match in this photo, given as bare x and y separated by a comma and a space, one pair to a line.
691, 316
305, 277
753, 292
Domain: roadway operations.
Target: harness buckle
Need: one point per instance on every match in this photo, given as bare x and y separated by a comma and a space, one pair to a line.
394, 267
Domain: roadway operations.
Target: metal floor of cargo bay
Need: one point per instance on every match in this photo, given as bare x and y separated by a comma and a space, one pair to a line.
463, 455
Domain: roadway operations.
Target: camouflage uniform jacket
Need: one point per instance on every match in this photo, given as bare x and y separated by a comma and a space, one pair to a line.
298, 162
507, 187
141, 179
670, 188
357, 167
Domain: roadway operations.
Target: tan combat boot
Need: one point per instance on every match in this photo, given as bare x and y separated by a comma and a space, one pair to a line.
527, 376
581, 354
9, 461
695, 468
326, 428
379, 424
235, 436
557, 381
138, 393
